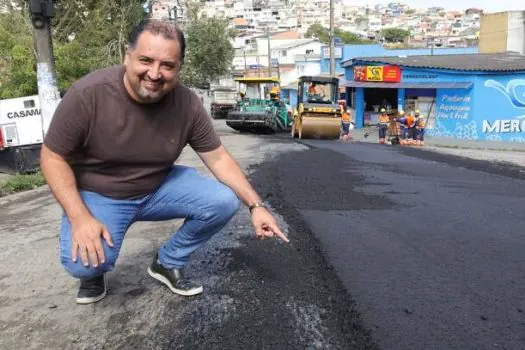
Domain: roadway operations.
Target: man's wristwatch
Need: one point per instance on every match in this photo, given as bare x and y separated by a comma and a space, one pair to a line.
257, 205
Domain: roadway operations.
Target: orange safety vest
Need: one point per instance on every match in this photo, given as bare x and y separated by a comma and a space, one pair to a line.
345, 118
384, 118
411, 121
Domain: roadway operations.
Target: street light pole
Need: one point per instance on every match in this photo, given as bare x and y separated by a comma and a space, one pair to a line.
41, 13
269, 52
332, 40
245, 66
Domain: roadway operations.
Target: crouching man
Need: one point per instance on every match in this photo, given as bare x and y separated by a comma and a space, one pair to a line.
109, 155
420, 129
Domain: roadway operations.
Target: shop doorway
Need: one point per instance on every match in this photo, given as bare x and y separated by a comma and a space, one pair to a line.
377, 98
424, 101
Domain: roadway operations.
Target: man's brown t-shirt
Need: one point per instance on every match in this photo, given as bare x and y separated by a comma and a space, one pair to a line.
118, 147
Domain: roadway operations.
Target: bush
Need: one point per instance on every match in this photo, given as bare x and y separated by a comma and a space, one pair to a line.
21, 183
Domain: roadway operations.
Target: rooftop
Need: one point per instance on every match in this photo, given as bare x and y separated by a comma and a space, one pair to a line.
488, 62
292, 44
286, 35
240, 22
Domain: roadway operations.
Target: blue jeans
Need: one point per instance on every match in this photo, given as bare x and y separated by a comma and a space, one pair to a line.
206, 204
421, 134
382, 130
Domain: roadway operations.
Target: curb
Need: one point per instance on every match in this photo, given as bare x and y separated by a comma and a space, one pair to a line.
24, 195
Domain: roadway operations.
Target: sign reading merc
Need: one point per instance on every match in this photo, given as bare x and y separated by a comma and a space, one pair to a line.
504, 125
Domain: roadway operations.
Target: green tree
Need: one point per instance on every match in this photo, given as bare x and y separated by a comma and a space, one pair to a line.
318, 32
17, 59
349, 37
87, 34
394, 35
361, 20
209, 52
90, 34
99, 26
321, 33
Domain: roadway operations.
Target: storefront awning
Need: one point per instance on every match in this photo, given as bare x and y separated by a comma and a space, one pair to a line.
405, 85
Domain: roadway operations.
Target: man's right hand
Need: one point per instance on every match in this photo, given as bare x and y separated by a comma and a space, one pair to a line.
86, 240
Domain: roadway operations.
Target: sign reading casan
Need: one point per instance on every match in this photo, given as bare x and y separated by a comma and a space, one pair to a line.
23, 114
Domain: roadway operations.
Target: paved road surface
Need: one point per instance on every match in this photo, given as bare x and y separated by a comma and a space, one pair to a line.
360, 265
430, 247
257, 295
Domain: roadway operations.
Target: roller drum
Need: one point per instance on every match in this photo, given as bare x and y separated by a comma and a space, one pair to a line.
319, 127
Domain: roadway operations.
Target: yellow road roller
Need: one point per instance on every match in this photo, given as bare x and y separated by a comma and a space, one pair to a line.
318, 113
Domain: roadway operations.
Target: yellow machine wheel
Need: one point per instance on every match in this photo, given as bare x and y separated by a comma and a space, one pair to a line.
320, 127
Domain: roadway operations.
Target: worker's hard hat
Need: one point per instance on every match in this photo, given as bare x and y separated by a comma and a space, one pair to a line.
417, 111
275, 90
383, 110
401, 112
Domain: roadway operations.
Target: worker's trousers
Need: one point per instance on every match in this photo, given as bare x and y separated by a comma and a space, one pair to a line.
206, 205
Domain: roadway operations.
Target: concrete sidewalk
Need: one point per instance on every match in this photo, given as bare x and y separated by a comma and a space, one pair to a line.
493, 151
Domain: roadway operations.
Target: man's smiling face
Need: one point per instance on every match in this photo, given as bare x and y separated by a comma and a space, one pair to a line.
152, 67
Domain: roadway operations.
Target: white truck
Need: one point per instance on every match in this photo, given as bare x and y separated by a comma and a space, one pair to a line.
223, 100
21, 134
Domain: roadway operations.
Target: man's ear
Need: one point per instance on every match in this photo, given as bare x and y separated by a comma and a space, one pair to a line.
126, 55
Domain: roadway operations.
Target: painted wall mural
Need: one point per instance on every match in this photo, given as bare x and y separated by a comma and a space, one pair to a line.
493, 110
454, 114
503, 118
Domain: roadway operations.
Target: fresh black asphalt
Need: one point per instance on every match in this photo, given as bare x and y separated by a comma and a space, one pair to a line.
430, 247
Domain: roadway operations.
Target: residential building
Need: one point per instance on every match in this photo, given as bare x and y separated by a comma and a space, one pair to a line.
167, 10
348, 52
502, 31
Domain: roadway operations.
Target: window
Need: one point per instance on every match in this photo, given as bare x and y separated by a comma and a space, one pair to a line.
309, 52
29, 104
283, 53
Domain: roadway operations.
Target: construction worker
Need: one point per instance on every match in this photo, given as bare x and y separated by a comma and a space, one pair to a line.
410, 129
394, 128
404, 121
382, 123
345, 126
420, 129
275, 96
242, 96
312, 89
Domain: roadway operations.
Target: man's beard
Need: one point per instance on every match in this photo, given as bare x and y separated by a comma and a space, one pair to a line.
148, 95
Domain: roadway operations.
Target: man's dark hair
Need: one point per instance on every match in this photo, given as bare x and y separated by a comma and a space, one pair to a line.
167, 30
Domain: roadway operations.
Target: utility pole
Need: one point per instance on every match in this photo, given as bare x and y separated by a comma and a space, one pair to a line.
431, 45
245, 66
332, 40
41, 13
269, 52
173, 11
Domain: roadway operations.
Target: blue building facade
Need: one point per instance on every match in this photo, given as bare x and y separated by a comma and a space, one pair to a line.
289, 95
474, 97
348, 52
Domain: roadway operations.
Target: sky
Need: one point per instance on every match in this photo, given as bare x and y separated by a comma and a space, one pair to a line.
486, 5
